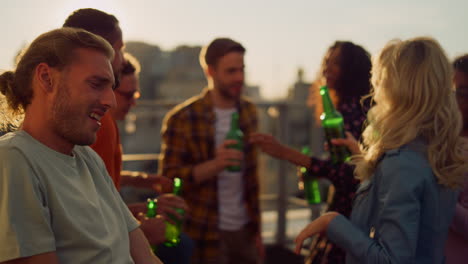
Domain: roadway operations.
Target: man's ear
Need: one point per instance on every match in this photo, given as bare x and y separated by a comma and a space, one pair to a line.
210, 71
44, 76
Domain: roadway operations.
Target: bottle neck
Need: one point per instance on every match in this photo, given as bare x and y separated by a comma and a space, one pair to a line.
177, 186
151, 207
328, 107
235, 121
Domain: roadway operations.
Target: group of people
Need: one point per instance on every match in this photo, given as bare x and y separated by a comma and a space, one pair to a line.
397, 201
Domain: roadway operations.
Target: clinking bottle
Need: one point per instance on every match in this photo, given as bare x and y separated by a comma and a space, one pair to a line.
235, 133
333, 124
311, 183
172, 232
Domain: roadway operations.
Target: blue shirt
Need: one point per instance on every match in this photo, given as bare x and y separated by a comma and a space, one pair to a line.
400, 215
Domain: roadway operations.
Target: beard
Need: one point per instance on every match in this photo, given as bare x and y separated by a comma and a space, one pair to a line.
67, 119
226, 92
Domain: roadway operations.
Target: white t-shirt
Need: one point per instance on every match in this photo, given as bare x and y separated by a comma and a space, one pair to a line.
54, 202
231, 206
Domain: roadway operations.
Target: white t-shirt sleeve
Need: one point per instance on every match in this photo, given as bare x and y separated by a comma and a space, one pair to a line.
25, 219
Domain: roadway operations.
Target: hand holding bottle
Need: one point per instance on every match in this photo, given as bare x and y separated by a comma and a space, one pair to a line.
171, 209
235, 134
333, 124
154, 228
226, 156
169, 205
350, 142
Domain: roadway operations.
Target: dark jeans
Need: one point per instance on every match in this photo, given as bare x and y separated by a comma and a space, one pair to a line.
238, 247
180, 254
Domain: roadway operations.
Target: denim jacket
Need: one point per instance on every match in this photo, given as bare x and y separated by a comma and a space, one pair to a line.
400, 215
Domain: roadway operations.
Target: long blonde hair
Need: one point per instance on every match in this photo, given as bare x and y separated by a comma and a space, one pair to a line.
414, 97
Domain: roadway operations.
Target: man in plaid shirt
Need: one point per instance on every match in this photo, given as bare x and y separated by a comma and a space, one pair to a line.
224, 216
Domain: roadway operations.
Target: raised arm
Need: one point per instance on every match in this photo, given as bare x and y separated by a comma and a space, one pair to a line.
271, 146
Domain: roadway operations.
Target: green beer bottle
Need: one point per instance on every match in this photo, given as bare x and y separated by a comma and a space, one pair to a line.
151, 207
236, 134
311, 184
173, 230
332, 122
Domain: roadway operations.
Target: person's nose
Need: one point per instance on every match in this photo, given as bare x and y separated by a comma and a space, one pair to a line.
239, 77
108, 98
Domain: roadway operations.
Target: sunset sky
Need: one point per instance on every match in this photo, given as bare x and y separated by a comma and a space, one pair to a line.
279, 35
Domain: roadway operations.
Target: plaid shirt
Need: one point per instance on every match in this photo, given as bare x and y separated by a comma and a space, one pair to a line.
188, 134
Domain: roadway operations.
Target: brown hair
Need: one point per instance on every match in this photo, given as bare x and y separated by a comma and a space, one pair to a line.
94, 21
461, 64
56, 49
354, 80
219, 47
130, 65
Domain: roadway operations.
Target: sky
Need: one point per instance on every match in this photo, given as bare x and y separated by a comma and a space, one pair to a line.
280, 36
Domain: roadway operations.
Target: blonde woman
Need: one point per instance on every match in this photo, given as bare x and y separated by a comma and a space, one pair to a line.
411, 162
